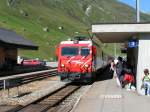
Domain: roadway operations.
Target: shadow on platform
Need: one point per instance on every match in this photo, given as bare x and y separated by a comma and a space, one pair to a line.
104, 73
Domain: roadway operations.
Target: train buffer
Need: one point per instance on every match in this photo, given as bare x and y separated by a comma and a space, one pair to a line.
106, 96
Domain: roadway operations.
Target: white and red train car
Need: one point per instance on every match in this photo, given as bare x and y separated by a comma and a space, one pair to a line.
76, 60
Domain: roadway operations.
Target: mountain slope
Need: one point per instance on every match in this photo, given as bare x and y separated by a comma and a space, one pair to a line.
41, 20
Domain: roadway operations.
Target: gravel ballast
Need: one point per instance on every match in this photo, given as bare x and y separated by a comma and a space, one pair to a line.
33, 91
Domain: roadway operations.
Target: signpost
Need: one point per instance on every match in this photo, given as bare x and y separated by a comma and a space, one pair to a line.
133, 44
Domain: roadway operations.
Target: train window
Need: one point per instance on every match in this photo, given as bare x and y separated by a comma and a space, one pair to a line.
85, 51
69, 51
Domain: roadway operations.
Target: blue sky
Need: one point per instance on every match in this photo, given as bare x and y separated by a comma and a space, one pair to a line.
144, 4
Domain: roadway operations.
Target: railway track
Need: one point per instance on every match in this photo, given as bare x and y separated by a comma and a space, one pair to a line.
48, 103
29, 78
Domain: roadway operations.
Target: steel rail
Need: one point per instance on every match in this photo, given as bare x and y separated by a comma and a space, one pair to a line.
49, 102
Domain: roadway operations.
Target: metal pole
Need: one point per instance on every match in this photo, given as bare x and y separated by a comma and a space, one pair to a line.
4, 83
137, 11
115, 50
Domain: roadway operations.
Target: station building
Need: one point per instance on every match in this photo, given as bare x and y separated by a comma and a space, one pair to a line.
137, 37
10, 42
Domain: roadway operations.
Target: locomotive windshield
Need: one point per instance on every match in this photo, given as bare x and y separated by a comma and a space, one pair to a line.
85, 51
69, 51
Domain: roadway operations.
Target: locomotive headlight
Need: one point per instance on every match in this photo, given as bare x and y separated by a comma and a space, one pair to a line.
86, 66
62, 65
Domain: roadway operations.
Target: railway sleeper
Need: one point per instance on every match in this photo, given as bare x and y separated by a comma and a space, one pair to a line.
51, 102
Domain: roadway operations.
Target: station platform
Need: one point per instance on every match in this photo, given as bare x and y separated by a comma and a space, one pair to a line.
106, 96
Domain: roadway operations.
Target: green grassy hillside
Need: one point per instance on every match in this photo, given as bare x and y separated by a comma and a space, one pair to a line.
39, 20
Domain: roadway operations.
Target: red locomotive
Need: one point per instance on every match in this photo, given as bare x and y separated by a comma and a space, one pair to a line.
76, 60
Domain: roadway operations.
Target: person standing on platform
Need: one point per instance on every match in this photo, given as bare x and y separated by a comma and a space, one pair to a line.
111, 67
146, 82
119, 69
128, 79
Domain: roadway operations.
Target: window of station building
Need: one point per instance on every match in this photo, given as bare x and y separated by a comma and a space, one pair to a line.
85, 51
69, 51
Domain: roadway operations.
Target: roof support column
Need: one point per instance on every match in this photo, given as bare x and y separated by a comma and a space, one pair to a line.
143, 59
137, 11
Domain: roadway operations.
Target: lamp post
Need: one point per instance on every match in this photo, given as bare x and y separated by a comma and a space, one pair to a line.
115, 50
137, 11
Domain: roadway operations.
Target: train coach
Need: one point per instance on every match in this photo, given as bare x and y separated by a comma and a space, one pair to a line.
77, 60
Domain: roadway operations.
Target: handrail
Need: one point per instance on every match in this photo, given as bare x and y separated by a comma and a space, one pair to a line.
25, 74
7, 78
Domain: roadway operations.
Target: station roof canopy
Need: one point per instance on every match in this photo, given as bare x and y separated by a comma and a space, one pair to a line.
9, 38
119, 32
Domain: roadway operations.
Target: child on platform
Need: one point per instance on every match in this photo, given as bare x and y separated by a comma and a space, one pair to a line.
146, 82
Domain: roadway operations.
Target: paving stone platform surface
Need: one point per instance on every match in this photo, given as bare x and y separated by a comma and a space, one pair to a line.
106, 96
